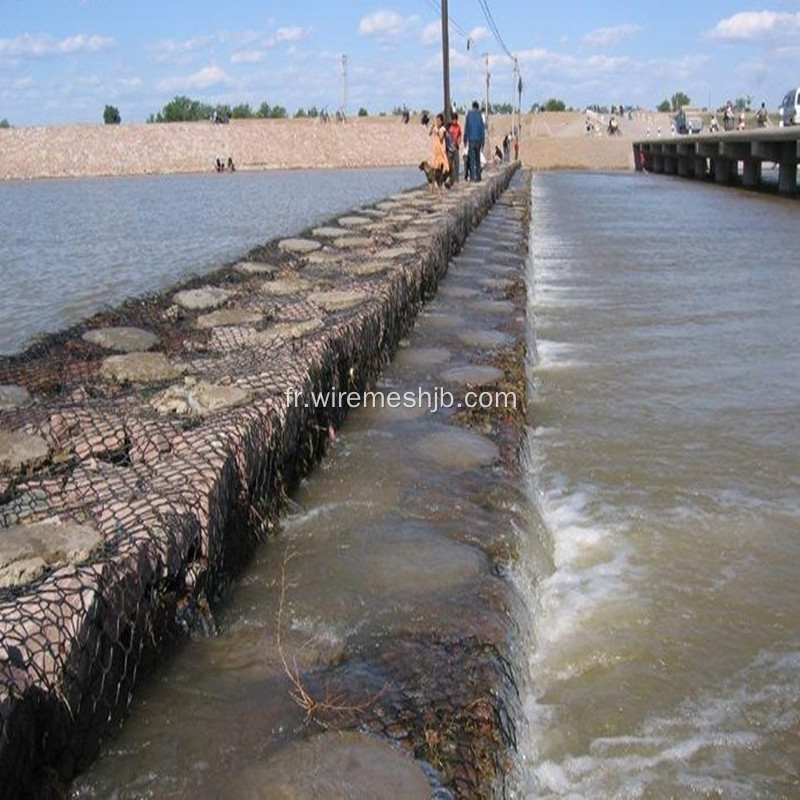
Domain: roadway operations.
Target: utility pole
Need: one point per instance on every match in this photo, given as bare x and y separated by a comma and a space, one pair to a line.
514, 110
446, 62
344, 85
486, 56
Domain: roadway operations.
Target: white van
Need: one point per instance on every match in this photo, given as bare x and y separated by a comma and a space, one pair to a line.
790, 108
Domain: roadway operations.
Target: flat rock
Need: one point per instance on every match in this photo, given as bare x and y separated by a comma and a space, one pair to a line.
199, 399
331, 232
202, 299
459, 449
335, 301
366, 267
283, 330
139, 368
354, 221
26, 551
255, 268
352, 242
391, 253
299, 245
487, 339
20, 451
229, 316
13, 396
473, 374
334, 765
123, 340
411, 234
285, 286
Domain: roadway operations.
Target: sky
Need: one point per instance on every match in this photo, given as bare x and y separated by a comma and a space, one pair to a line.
63, 61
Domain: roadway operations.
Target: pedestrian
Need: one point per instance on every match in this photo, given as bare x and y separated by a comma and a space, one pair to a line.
440, 161
474, 138
762, 116
454, 130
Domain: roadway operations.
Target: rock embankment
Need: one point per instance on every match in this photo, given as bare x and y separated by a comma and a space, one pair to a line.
148, 449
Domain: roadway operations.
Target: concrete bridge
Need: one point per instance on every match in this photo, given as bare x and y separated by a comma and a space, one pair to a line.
717, 156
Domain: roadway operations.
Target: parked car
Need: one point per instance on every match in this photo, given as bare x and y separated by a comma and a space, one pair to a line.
790, 108
684, 124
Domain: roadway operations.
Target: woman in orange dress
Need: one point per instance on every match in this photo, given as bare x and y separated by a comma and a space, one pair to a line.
440, 161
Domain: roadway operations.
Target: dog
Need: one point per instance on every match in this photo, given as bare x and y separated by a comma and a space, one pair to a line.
435, 176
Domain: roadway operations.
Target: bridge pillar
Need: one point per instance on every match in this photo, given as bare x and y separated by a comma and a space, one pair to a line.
787, 177
724, 170
751, 175
700, 167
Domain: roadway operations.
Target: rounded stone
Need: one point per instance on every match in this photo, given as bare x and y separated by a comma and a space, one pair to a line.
229, 316
202, 299
473, 375
395, 252
423, 356
255, 268
486, 339
123, 340
283, 330
285, 286
139, 368
21, 451
366, 268
352, 242
13, 396
299, 245
199, 399
459, 449
335, 301
26, 551
330, 232
353, 221
336, 766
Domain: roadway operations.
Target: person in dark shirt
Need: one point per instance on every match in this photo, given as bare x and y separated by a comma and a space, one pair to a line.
474, 137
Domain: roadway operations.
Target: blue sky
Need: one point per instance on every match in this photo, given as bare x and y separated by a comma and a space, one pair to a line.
62, 61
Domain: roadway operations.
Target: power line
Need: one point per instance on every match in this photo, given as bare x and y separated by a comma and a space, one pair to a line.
437, 6
492, 25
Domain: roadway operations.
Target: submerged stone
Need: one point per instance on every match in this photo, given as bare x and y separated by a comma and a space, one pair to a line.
336, 766
255, 268
459, 449
473, 374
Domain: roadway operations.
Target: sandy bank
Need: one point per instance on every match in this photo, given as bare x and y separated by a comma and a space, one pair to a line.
549, 141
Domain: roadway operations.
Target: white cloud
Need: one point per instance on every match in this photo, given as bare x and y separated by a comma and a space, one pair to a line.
175, 50
248, 57
386, 24
432, 33
44, 45
603, 37
292, 34
205, 78
750, 25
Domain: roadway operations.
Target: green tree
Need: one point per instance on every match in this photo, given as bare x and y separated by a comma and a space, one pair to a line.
679, 99
182, 109
300, 113
4, 123
242, 111
362, 112
554, 104
664, 106
278, 112
111, 115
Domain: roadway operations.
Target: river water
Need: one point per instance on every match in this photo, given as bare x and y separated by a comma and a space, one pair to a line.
664, 463
75, 247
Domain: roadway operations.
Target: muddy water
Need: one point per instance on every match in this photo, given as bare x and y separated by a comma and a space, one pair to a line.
399, 538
